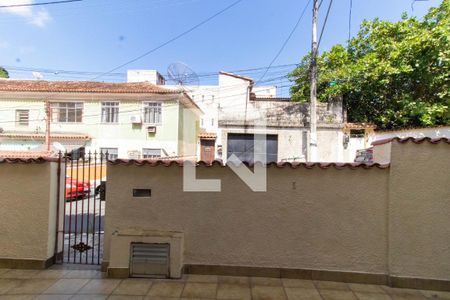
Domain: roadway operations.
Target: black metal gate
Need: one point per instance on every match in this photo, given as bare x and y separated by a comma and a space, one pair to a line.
84, 206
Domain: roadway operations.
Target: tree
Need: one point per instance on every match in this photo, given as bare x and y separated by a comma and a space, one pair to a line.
3, 73
393, 74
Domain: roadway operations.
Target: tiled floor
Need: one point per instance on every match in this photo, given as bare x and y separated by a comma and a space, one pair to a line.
91, 284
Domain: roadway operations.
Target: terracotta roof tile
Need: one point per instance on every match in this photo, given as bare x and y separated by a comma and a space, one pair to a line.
41, 136
411, 139
207, 135
236, 76
180, 163
83, 87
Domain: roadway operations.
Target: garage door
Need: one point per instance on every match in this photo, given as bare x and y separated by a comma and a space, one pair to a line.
242, 146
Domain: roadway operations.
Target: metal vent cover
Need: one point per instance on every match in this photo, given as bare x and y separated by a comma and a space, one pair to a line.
149, 260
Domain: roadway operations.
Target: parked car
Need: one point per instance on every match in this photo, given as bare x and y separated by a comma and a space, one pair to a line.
76, 189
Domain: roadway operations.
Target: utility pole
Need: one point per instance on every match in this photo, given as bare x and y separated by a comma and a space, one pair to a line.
313, 103
47, 125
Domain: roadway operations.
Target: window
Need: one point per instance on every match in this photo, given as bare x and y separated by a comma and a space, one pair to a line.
67, 112
113, 153
212, 122
151, 153
110, 112
357, 133
202, 122
22, 117
152, 112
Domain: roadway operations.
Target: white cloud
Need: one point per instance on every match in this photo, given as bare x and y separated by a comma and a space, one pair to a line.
38, 17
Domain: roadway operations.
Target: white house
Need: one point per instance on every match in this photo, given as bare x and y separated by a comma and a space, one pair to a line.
129, 120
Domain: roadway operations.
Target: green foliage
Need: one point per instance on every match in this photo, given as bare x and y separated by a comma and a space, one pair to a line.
3, 73
393, 74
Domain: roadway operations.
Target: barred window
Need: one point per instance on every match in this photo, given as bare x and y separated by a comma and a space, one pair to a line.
113, 153
22, 117
110, 112
151, 153
67, 112
152, 112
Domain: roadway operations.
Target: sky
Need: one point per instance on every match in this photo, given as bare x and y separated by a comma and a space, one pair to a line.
98, 35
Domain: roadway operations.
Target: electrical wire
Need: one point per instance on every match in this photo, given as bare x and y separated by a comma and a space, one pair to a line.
39, 4
286, 41
324, 23
172, 39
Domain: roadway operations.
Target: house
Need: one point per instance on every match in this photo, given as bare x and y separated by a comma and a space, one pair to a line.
235, 110
129, 120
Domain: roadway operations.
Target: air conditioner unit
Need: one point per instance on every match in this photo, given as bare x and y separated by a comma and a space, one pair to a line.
151, 129
136, 119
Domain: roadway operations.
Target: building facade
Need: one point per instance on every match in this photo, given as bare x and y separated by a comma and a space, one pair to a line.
129, 120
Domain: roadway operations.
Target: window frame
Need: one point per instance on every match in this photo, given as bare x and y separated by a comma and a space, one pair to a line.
148, 105
106, 106
55, 109
18, 118
152, 157
103, 150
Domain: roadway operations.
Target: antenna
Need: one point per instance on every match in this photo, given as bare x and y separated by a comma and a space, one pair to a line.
182, 75
37, 75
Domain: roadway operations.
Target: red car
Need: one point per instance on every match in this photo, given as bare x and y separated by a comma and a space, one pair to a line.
76, 188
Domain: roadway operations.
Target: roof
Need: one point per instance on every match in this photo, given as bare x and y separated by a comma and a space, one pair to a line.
207, 135
218, 163
11, 85
359, 125
41, 136
435, 127
411, 139
14, 155
236, 76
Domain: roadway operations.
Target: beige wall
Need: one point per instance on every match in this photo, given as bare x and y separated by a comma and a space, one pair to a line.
28, 210
419, 210
317, 219
381, 221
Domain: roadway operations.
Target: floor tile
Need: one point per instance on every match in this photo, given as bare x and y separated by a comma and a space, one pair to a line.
268, 292
436, 294
52, 297
372, 296
233, 291
51, 274
89, 297
266, 281
19, 274
7, 284
202, 278
16, 297
369, 288
199, 290
166, 289
329, 294
234, 280
125, 297
31, 286
66, 286
300, 283
84, 274
331, 285
133, 287
296, 293
100, 286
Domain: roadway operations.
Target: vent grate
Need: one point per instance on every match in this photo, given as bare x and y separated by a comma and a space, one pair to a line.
150, 260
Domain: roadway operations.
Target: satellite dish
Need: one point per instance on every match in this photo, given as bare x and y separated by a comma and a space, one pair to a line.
182, 75
59, 147
37, 75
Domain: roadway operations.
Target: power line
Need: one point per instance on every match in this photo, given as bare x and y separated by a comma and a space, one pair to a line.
286, 41
172, 39
350, 20
39, 4
324, 23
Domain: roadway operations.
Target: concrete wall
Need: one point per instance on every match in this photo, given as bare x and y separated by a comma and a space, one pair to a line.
28, 214
389, 222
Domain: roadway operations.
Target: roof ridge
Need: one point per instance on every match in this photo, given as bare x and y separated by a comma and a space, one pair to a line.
412, 139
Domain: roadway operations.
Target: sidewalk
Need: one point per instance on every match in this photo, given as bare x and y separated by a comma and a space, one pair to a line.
83, 283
